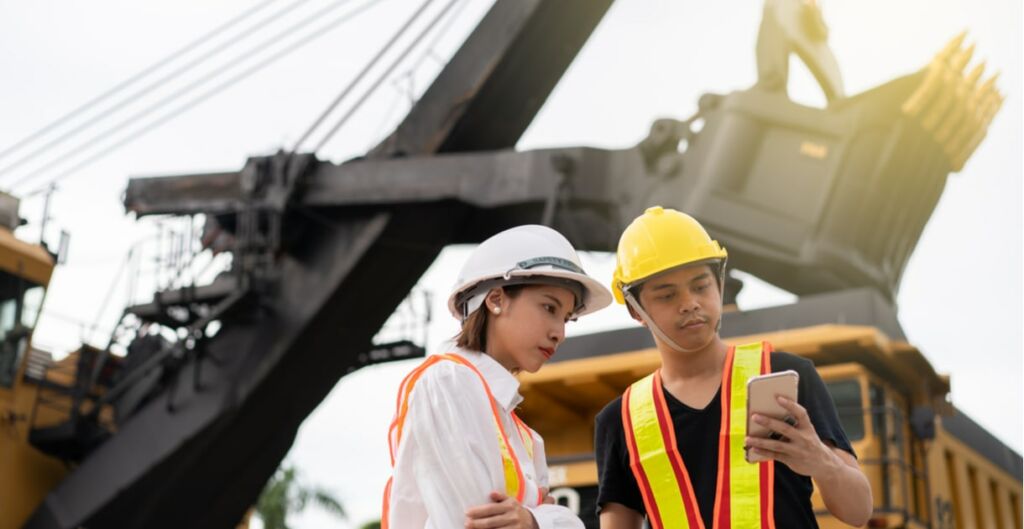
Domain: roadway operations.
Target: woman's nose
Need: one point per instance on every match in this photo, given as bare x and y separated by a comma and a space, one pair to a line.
557, 334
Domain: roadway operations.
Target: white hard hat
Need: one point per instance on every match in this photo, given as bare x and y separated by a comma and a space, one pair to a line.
529, 254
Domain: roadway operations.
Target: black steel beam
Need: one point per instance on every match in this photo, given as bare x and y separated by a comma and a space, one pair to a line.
584, 192
492, 88
199, 193
484, 180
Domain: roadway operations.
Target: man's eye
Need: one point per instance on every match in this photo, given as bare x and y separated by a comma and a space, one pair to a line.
666, 297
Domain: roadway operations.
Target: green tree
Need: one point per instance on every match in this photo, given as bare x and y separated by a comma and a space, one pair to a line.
371, 525
284, 495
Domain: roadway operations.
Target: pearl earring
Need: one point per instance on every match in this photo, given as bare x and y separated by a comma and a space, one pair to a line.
497, 310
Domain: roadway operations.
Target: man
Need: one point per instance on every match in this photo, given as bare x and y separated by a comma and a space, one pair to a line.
674, 446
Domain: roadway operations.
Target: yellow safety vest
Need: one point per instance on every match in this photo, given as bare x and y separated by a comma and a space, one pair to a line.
515, 485
744, 495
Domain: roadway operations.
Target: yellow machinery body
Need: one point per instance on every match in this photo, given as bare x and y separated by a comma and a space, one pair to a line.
946, 479
26, 474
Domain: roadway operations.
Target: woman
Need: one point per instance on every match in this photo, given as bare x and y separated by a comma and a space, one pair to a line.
461, 457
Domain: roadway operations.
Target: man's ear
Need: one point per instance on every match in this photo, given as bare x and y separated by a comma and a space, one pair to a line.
635, 316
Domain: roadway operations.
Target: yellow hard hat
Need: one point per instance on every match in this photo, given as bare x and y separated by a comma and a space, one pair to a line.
659, 240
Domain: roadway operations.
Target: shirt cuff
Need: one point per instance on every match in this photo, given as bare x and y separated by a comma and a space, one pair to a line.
555, 517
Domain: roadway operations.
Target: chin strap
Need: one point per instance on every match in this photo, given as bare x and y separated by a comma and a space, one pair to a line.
635, 305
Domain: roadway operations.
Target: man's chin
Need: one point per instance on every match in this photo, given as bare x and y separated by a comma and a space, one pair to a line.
693, 344
683, 348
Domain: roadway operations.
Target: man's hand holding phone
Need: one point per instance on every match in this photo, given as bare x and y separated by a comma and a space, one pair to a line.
796, 443
762, 392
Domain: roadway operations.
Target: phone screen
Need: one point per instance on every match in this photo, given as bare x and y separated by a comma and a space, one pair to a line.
761, 399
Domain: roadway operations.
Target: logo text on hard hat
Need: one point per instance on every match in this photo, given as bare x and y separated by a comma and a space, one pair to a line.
556, 262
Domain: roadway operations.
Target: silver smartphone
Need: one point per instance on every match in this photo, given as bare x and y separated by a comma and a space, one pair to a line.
762, 391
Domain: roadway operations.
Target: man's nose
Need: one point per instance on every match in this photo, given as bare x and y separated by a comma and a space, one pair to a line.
687, 304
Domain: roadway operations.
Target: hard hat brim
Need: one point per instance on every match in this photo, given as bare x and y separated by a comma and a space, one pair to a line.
720, 261
596, 295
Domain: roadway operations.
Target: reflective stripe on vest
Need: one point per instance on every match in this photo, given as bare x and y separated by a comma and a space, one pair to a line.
744, 493
526, 434
515, 484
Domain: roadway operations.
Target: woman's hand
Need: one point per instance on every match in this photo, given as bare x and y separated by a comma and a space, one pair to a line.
503, 513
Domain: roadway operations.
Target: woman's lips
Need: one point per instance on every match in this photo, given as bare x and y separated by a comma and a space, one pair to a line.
548, 352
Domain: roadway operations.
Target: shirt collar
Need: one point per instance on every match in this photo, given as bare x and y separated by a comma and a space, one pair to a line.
504, 385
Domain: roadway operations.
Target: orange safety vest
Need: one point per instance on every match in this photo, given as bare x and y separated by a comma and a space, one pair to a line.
744, 495
515, 484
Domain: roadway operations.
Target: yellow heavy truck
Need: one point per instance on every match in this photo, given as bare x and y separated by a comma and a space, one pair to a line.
50, 411
26, 473
930, 466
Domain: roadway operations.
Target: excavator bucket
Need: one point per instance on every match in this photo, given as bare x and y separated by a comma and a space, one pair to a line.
819, 199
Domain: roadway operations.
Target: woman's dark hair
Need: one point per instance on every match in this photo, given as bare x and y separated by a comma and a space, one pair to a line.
473, 335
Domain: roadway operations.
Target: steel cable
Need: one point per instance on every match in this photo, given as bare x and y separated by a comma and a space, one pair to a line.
136, 133
383, 76
359, 77
149, 88
136, 77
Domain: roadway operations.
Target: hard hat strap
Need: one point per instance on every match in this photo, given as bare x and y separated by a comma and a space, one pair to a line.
650, 322
721, 284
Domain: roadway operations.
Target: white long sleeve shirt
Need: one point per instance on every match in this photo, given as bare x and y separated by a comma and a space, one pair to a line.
449, 459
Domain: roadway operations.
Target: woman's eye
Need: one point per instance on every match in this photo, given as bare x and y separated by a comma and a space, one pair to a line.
549, 308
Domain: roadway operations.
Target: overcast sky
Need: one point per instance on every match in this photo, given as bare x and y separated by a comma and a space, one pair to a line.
960, 302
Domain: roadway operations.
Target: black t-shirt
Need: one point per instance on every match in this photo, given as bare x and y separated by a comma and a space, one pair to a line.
697, 434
